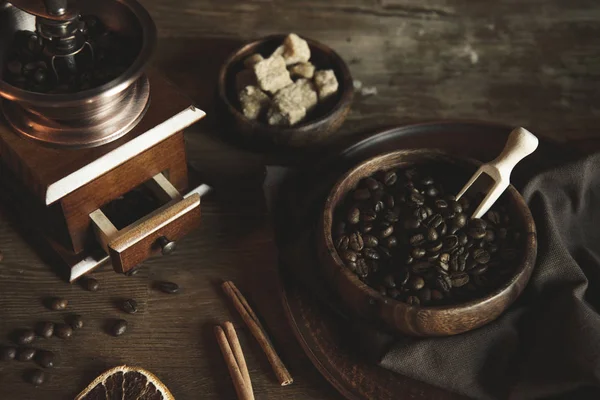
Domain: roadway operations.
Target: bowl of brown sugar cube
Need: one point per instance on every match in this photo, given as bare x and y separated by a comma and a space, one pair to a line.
284, 90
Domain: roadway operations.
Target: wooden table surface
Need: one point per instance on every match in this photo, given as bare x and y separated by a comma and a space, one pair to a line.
534, 63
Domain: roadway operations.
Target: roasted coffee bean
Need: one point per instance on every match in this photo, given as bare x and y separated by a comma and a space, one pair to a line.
370, 241
481, 256
489, 236
63, 331
424, 295
416, 282
456, 207
417, 198
390, 178
450, 242
371, 254
351, 266
459, 221
443, 283
418, 252
362, 268
442, 266
459, 279
90, 284
429, 211
427, 180
366, 227
377, 195
420, 213
45, 359
388, 201
354, 216
26, 336
389, 281
391, 242
378, 206
465, 203
76, 321
431, 191
434, 221
7, 353
26, 354
477, 228
368, 216
168, 287
434, 248
443, 229
445, 258
470, 264
432, 235
36, 377
45, 329
441, 204
361, 194
371, 184
391, 216
436, 295
433, 257
413, 300
462, 238
453, 264
386, 232
417, 239
119, 327
349, 256
478, 269
356, 242
420, 268
342, 243
58, 304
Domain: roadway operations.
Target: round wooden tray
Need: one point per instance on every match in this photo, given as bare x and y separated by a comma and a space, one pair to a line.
317, 324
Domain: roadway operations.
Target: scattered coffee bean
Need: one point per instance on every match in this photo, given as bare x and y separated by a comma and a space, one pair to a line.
63, 331
26, 354
90, 284
45, 359
119, 327
390, 178
26, 336
58, 304
7, 353
76, 321
130, 306
36, 377
45, 329
168, 287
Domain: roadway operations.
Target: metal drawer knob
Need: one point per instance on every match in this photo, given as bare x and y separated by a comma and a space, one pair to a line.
167, 246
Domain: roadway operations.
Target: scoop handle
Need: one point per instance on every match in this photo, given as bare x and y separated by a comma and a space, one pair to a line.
519, 145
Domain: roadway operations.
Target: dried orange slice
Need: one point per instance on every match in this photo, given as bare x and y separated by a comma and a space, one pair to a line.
126, 383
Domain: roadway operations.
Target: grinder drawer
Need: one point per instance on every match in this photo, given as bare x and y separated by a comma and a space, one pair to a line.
156, 232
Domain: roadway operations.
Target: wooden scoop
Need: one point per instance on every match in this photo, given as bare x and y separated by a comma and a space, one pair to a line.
520, 144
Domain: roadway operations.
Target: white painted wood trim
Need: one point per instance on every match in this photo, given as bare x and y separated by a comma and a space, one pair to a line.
110, 160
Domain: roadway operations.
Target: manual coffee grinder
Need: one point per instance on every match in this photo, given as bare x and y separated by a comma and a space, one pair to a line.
86, 131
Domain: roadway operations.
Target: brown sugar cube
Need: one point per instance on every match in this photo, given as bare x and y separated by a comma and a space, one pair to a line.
326, 83
272, 74
244, 78
302, 70
284, 111
295, 49
302, 92
253, 101
252, 60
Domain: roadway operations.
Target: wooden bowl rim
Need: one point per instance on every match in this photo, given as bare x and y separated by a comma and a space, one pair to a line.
327, 224
346, 84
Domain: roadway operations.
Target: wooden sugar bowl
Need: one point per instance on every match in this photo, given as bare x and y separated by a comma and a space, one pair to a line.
451, 318
71, 159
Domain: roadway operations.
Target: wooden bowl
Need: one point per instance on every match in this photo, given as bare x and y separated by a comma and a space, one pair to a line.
368, 304
315, 129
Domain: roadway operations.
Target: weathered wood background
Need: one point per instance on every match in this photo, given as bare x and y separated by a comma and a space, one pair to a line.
534, 63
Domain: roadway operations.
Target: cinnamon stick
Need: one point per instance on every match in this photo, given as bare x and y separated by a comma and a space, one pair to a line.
234, 342
255, 327
242, 390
